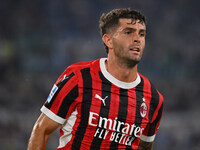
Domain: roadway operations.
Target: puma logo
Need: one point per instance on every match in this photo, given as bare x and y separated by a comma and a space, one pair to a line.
102, 99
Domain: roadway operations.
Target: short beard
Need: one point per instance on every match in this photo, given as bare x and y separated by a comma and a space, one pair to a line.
128, 63
132, 63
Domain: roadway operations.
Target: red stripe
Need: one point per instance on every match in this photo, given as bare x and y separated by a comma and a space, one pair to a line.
147, 99
147, 96
130, 119
69, 144
113, 113
158, 107
95, 108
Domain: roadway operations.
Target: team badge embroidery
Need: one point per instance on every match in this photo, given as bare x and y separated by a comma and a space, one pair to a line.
53, 91
143, 109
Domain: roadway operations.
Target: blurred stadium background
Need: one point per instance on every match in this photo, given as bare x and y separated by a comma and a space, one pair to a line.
39, 39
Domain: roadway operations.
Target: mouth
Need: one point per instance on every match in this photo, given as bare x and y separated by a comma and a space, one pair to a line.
134, 49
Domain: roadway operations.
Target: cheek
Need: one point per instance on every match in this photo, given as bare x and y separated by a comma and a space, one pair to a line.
119, 42
143, 43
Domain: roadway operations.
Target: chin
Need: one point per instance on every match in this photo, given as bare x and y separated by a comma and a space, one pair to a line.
135, 60
132, 63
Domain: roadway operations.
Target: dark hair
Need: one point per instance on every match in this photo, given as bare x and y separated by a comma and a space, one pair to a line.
111, 19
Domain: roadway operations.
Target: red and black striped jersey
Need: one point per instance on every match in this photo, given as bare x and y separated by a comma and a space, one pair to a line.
97, 111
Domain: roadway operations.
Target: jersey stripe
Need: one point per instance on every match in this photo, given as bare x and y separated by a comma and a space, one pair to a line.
154, 125
122, 113
130, 116
67, 103
131, 107
147, 98
95, 108
85, 108
139, 97
138, 118
104, 110
113, 113
154, 102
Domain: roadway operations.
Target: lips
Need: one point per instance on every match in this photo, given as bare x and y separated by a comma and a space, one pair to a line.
135, 48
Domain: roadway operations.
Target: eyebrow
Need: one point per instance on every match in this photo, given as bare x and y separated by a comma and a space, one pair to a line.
133, 29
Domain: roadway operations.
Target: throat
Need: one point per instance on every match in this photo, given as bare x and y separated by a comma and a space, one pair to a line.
121, 72
126, 76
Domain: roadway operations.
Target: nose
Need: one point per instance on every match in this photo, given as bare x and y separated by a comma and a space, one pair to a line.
136, 38
136, 41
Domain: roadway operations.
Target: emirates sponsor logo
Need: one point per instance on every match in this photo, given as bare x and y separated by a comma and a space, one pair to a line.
114, 130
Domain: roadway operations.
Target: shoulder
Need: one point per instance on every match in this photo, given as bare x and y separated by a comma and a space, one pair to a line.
81, 65
148, 85
74, 70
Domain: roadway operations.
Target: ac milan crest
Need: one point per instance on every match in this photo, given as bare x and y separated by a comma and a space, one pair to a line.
143, 109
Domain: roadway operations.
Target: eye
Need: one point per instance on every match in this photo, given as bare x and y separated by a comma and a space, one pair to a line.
127, 32
142, 34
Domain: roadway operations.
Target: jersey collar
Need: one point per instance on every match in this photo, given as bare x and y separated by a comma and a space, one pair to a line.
121, 84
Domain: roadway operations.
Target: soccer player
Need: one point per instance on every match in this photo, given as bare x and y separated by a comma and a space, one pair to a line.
105, 103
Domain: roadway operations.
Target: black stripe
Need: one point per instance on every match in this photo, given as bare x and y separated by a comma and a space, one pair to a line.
68, 100
85, 108
153, 126
154, 102
122, 113
62, 82
139, 97
60, 86
104, 111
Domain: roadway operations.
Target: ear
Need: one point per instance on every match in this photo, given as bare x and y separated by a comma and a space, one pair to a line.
107, 39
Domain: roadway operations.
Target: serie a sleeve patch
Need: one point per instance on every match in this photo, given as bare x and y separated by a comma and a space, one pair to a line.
53, 91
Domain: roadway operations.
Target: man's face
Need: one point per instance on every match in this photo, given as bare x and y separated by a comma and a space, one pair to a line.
129, 41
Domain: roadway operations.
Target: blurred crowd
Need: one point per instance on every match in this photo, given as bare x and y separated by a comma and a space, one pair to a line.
39, 39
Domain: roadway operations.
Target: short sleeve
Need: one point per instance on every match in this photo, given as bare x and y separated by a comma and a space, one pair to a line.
61, 101
150, 131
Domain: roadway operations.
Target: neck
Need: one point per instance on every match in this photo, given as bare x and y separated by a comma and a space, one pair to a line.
121, 71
